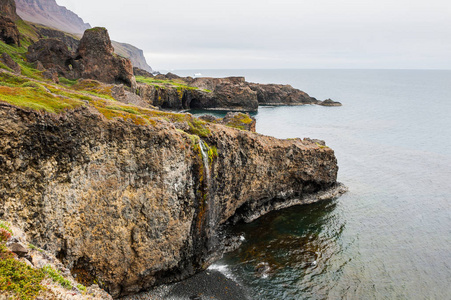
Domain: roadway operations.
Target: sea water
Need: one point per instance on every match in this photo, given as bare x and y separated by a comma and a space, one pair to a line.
389, 237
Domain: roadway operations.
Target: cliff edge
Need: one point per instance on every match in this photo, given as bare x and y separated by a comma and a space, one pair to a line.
131, 206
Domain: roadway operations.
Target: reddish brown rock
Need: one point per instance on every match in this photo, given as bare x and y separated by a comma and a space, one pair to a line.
8, 9
9, 32
52, 54
10, 63
97, 60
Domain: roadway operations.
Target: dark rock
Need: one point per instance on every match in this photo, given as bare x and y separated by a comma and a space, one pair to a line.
141, 72
8, 9
98, 62
52, 54
38, 66
239, 120
329, 102
51, 74
231, 93
278, 94
10, 63
71, 42
9, 32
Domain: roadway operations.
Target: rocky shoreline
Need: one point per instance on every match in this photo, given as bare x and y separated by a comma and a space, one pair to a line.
122, 194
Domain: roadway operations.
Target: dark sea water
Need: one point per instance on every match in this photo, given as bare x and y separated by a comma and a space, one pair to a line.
389, 237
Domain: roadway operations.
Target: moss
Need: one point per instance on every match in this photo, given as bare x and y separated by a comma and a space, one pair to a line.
36, 99
126, 109
159, 83
239, 121
212, 153
31, 246
81, 287
57, 277
321, 146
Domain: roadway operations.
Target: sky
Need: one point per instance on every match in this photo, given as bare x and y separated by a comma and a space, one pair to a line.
278, 34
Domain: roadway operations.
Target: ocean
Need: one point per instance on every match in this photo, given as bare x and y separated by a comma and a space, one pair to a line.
389, 237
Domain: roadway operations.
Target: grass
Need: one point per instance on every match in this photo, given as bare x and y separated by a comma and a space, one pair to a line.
239, 121
179, 84
57, 277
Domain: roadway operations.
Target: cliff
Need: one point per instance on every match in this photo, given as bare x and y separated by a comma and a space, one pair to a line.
132, 206
49, 13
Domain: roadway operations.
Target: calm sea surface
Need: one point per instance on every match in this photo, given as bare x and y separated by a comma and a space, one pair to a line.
389, 237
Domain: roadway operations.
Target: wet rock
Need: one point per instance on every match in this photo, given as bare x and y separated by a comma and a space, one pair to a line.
329, 102
10, 63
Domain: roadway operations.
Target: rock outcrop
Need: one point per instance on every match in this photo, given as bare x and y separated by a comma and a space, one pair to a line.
98, 61
237, 120
231, 94
94, 59
132, 206
10, 63
330, 102
49, 13
278, 94
8, 29
8, 9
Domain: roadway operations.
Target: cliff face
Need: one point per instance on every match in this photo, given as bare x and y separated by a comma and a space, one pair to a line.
133, 53
131, 206
49, 13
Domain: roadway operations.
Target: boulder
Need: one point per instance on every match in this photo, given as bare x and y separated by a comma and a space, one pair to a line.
329, 102
10, 63
51, 74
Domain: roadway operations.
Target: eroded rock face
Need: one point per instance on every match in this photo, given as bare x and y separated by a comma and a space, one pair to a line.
231, 93
52, 54
134, 206
278, 94
9, 32
94, 59
8, 9
10, 63
98, 61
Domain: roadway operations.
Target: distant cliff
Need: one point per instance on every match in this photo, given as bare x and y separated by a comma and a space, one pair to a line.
49, 13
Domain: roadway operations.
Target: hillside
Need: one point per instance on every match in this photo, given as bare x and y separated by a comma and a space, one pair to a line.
50, 14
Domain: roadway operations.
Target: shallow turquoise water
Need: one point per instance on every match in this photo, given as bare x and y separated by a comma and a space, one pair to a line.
389, 237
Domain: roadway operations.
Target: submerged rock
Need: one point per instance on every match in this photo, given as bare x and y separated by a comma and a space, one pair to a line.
133, 206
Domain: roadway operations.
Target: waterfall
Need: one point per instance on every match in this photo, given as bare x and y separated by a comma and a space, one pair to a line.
204, 152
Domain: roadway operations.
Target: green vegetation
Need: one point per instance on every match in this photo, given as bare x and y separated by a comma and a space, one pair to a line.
57, 277
19, 278
5, 226
31, 246
179, 84
212, 153
81, 287
239, 121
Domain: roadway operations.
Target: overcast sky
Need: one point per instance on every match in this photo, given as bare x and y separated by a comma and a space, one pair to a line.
201, 34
